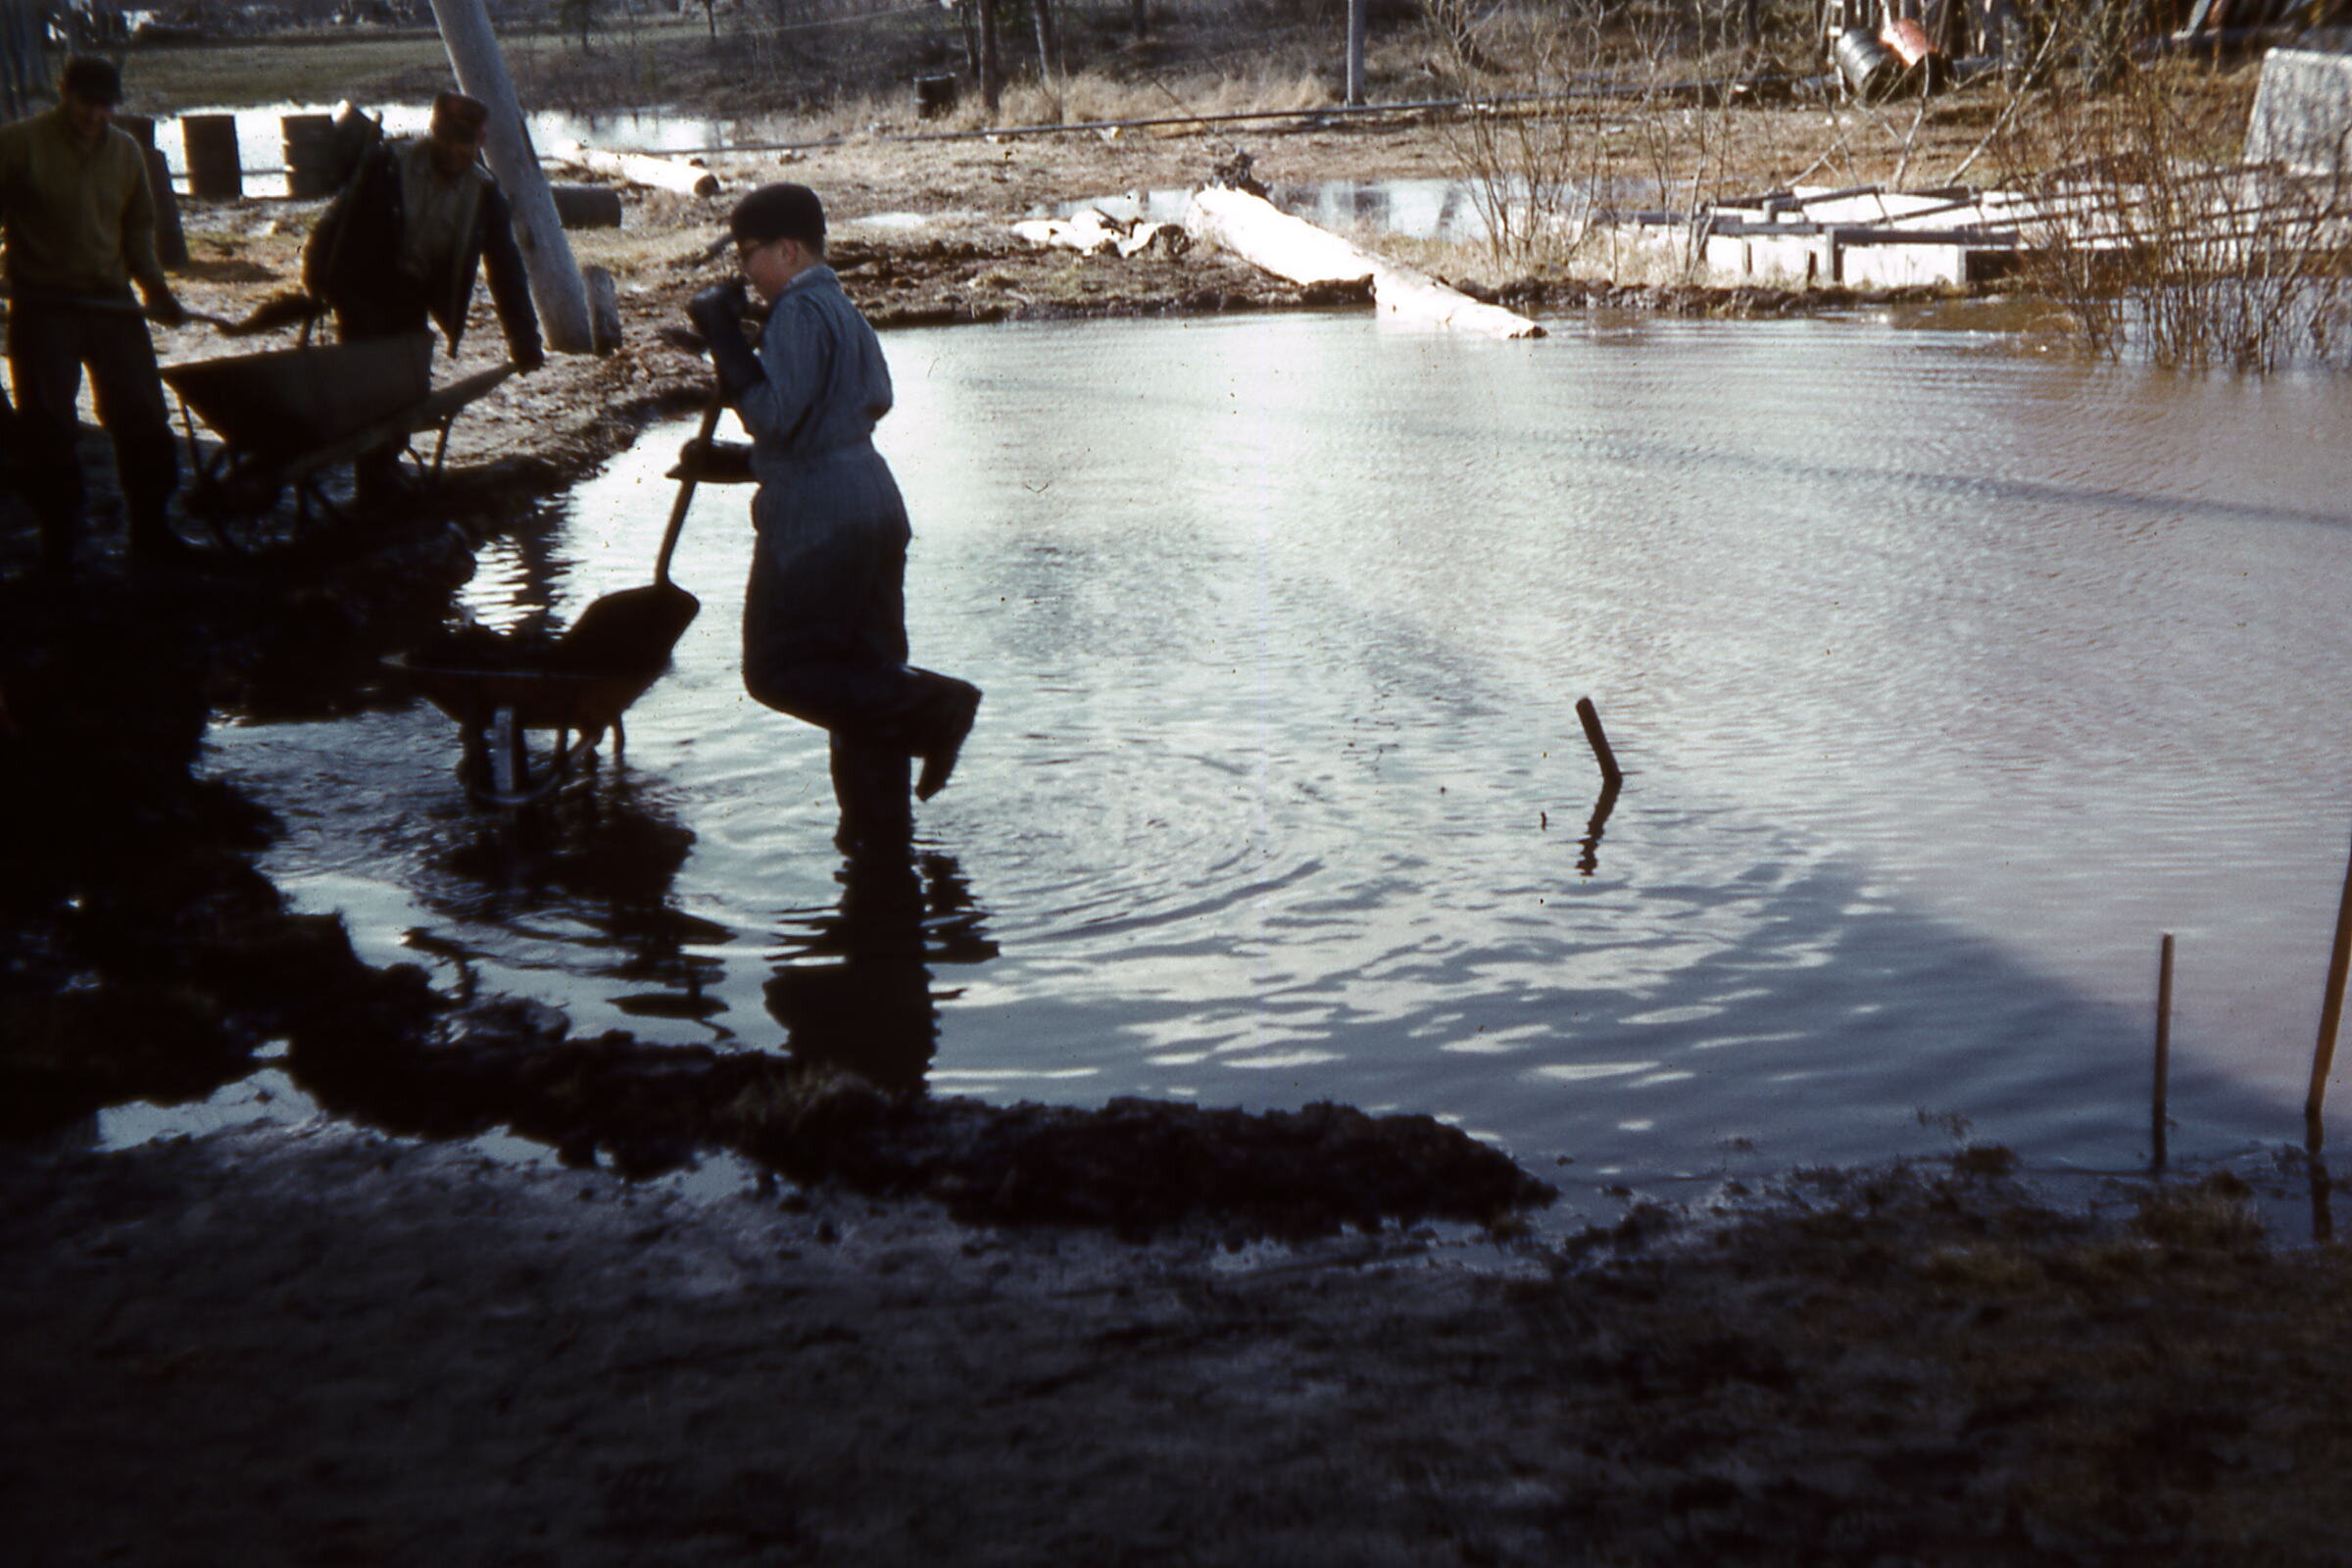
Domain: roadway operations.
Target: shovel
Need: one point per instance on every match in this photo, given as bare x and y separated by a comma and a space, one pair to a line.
632, 632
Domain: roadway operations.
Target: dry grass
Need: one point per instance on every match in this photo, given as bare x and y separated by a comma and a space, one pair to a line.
297, 68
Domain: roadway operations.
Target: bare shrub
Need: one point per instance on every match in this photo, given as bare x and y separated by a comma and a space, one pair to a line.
2156, 252
1574, 110
1529, 160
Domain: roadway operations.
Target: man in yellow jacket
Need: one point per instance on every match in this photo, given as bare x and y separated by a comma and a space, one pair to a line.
80, 227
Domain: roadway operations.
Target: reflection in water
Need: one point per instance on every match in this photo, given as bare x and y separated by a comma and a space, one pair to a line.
520, 574
853, 986
1590, 860
605, 859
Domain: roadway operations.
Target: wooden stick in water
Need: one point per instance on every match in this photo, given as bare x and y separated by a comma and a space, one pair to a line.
2332, 1013
1590, 716
2164, 1047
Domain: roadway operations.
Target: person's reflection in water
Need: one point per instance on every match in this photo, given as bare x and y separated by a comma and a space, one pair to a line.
853, 987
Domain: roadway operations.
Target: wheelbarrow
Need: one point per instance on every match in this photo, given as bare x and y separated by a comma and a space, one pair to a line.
579, 684
499, 688
286, 417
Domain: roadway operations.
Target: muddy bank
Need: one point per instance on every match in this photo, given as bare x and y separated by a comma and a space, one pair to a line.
306, 1347
1133, 1166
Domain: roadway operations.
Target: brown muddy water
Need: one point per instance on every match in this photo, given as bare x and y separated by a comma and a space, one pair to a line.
1948, 675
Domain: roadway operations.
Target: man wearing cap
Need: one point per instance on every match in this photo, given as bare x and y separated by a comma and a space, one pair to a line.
402, 243
824, 623
80, 225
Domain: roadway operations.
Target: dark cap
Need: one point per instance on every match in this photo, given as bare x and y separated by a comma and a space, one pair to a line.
779, 211
458, 118
93, 77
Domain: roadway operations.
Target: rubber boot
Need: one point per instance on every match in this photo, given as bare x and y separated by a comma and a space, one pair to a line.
148, 472
54, 494
869, 785
152, 542
949, 707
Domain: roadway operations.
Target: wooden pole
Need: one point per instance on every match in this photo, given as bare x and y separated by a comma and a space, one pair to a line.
2331, 1013
992, 60
1049, 42
1610, 774
1356, 50
2164, 1047
481, 71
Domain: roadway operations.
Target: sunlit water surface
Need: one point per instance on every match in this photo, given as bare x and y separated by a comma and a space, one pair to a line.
1946, 678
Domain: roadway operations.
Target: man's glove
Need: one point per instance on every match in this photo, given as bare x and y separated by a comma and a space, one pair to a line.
165, 310
717, 313
527, 357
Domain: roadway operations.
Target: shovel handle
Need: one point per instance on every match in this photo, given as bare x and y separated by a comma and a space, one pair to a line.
678, 508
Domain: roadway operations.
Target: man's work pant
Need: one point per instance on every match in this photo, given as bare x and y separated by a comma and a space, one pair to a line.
375, 470
48, 348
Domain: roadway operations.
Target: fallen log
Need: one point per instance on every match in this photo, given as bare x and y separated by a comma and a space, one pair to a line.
1267, 237
1094, 231
638, 169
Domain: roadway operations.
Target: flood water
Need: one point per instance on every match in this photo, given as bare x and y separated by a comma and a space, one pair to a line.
1947, 678
261, 133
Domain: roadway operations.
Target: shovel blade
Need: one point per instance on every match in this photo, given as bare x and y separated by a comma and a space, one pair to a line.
627, 633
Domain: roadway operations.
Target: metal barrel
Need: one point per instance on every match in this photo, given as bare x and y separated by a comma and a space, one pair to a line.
1867, 65
310, 155
215, 173
1906, 38
934, 96
171, 238
587, 205
170, 241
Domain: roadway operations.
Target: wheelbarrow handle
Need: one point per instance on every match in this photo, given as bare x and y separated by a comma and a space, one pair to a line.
112, 307
712, 409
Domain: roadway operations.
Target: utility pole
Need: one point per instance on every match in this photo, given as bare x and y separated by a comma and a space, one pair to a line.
1355, 51
481, 71
991, 58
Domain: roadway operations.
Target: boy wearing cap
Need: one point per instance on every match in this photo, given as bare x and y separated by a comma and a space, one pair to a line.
824, 624
80, 225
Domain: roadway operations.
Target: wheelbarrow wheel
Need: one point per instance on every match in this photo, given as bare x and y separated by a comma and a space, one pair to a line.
497, 768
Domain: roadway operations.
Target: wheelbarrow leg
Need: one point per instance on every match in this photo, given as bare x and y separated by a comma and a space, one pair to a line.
510, 765
473, 762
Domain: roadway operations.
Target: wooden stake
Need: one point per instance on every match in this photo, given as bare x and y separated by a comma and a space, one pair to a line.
2332, 1013
2164, 1045
1610, 774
